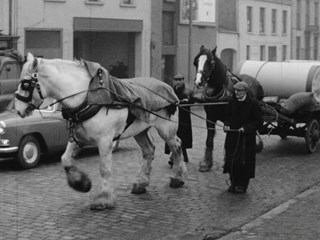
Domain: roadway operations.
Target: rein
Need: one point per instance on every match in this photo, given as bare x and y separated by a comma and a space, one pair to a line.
29, 87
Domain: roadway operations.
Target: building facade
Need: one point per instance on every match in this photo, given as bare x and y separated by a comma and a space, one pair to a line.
254, 30
305, 30
149, 37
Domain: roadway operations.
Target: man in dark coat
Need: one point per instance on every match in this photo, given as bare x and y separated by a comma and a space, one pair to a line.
185, 129
243, 119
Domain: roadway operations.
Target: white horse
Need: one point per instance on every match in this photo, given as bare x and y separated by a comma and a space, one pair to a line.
68, 82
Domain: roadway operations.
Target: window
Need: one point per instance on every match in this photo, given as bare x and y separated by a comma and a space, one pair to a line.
248, 52
274, 20
316, 13
262, 53
272, 54
284, 52
307, 13
298, 14
298, 48
127, 2
203, 12
167, 28
249, 19
284, 22
262, 20
307, 46
54, 0
315, 50
94, 2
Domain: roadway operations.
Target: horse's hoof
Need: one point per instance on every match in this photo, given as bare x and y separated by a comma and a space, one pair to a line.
78, 180
100, 207
138, 189
176, 183
204, 169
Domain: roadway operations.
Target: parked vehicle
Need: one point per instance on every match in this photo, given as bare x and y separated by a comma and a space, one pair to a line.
10, 69
25, 139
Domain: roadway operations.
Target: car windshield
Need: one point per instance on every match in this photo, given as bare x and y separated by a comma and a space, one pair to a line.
45, 106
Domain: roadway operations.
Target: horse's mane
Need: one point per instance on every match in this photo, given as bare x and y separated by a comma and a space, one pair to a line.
218, 76
79, 62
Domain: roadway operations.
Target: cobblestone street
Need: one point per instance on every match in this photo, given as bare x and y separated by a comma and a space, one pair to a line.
38, 203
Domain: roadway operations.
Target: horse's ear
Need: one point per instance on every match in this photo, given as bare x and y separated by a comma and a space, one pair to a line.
214, 51
30, 57
202, 48
35, 64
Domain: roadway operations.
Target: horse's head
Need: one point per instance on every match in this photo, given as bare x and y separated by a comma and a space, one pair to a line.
28, 96
205, 64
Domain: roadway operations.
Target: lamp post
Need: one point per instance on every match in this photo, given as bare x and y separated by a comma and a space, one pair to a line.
190, 39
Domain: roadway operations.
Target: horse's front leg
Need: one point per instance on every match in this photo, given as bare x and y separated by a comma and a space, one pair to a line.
207, 162
179, 168
106, 197
143, 178
77, 179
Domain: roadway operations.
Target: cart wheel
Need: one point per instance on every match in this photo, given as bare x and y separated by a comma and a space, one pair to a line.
312, 135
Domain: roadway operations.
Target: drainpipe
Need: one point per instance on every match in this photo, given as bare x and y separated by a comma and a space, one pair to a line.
10, 17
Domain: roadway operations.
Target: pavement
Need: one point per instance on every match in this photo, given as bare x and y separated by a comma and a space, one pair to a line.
296, 219
281, 203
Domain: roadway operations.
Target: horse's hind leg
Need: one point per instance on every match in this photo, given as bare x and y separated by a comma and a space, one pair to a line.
77, 179
167, 130
143, 178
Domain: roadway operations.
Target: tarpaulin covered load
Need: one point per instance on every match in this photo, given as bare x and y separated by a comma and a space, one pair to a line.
283, 79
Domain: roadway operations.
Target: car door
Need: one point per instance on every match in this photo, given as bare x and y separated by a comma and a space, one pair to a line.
52, 126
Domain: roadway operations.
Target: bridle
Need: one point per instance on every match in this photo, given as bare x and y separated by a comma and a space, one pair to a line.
29, 85
207, 74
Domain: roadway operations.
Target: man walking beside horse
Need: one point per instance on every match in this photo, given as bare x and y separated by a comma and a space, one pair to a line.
243, 119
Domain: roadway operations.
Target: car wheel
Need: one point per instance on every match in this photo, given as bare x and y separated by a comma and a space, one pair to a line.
28, 154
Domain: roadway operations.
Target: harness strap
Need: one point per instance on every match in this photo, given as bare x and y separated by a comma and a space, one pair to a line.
130, 120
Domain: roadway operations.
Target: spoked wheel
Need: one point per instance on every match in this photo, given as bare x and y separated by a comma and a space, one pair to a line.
312, 135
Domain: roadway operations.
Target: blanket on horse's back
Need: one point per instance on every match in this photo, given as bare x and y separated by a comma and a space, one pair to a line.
142, 94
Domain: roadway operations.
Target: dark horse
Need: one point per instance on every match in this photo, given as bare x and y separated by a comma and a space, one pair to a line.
218, 83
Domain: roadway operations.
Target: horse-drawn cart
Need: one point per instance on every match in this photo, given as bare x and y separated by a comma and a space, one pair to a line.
287, 80
303, 123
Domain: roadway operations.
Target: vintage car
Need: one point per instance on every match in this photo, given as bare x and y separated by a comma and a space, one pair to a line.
25, 139
10, 68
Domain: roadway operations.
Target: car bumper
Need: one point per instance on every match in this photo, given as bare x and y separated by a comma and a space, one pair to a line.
7, 150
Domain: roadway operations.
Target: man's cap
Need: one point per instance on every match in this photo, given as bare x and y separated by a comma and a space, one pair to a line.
241, 86
178, 76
